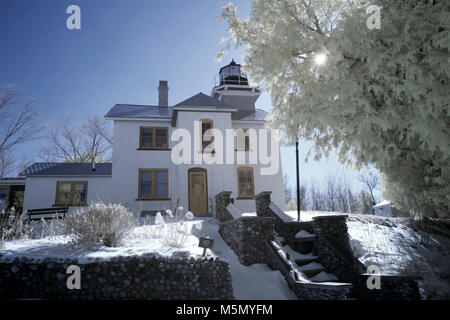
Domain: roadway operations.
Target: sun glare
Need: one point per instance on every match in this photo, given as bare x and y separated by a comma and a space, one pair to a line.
320, 59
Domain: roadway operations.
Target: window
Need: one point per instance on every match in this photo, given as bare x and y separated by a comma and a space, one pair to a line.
207, 138
4, 196
245, 182
154, 138
153, 184
71, 193
242, 140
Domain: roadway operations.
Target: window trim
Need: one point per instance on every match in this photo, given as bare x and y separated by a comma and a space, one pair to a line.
239, 169
201, 136
153, 147
8, 191
153, 197
72, 192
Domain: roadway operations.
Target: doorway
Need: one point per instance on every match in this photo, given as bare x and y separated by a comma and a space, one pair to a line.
198, 191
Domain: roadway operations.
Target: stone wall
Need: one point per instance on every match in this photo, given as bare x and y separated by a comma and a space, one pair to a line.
150, 276
222, 201
284, 225
333, 248
335, 254
392, 287
247, 236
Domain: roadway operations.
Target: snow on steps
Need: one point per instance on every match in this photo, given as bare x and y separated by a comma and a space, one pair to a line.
300, 258
324, 277
299, 273
304, 235
312, 269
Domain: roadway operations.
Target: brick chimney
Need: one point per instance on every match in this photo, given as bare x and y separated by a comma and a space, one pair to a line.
163, 91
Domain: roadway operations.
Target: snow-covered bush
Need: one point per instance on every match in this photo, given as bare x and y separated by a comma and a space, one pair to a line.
12, 227
100, 224
171, 228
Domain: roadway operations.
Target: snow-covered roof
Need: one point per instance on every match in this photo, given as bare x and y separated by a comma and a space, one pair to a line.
67, 169
382, 203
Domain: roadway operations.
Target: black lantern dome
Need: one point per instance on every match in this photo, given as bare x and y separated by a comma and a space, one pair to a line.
231, 74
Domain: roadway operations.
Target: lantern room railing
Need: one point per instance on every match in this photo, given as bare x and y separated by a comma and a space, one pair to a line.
231, 78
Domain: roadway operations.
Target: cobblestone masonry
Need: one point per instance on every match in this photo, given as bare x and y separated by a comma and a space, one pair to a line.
222, 201
149, 276
247, 236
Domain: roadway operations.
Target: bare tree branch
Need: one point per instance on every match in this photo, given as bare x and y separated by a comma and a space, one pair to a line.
19, 121
91, 140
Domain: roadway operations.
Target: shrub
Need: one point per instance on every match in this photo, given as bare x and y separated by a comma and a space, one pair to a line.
171, 228
100, 224
12, 227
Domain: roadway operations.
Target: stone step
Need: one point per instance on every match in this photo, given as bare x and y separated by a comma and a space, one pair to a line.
324, 277
304, 235
313, 272
311, 269
306, 239
305, 260
300, 258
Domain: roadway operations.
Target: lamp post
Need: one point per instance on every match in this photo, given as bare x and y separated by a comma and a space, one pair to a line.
298, 180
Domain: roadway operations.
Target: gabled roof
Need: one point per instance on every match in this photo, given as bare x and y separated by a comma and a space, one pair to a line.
67, 169
203, 100
138, 111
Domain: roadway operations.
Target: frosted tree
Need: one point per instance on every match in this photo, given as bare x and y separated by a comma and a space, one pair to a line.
377, 96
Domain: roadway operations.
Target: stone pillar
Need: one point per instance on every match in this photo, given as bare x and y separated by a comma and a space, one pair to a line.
335, 226
222, 201
262, 200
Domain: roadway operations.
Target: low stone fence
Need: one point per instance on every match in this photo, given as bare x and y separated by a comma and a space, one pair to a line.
150, 276
247, 236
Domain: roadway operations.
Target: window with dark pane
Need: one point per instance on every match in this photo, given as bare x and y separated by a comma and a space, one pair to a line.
207, 138
146, 137
153, 183
161, 138
79, 194
71, 193
161, 183
146, 178
154, 138
245, 182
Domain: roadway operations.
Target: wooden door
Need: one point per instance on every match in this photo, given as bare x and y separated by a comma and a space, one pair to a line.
198, 194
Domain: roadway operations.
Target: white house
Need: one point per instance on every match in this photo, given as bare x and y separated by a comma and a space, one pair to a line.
182, 155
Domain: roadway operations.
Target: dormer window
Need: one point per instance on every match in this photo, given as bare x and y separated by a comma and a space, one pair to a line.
154, 138
207, 136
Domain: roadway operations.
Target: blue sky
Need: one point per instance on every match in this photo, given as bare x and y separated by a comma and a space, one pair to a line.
121, 52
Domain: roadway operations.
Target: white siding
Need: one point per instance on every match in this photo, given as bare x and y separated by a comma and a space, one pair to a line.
40, 192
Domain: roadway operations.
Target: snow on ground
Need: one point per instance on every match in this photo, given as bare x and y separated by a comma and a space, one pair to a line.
138, 242
397, 249
253, 282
